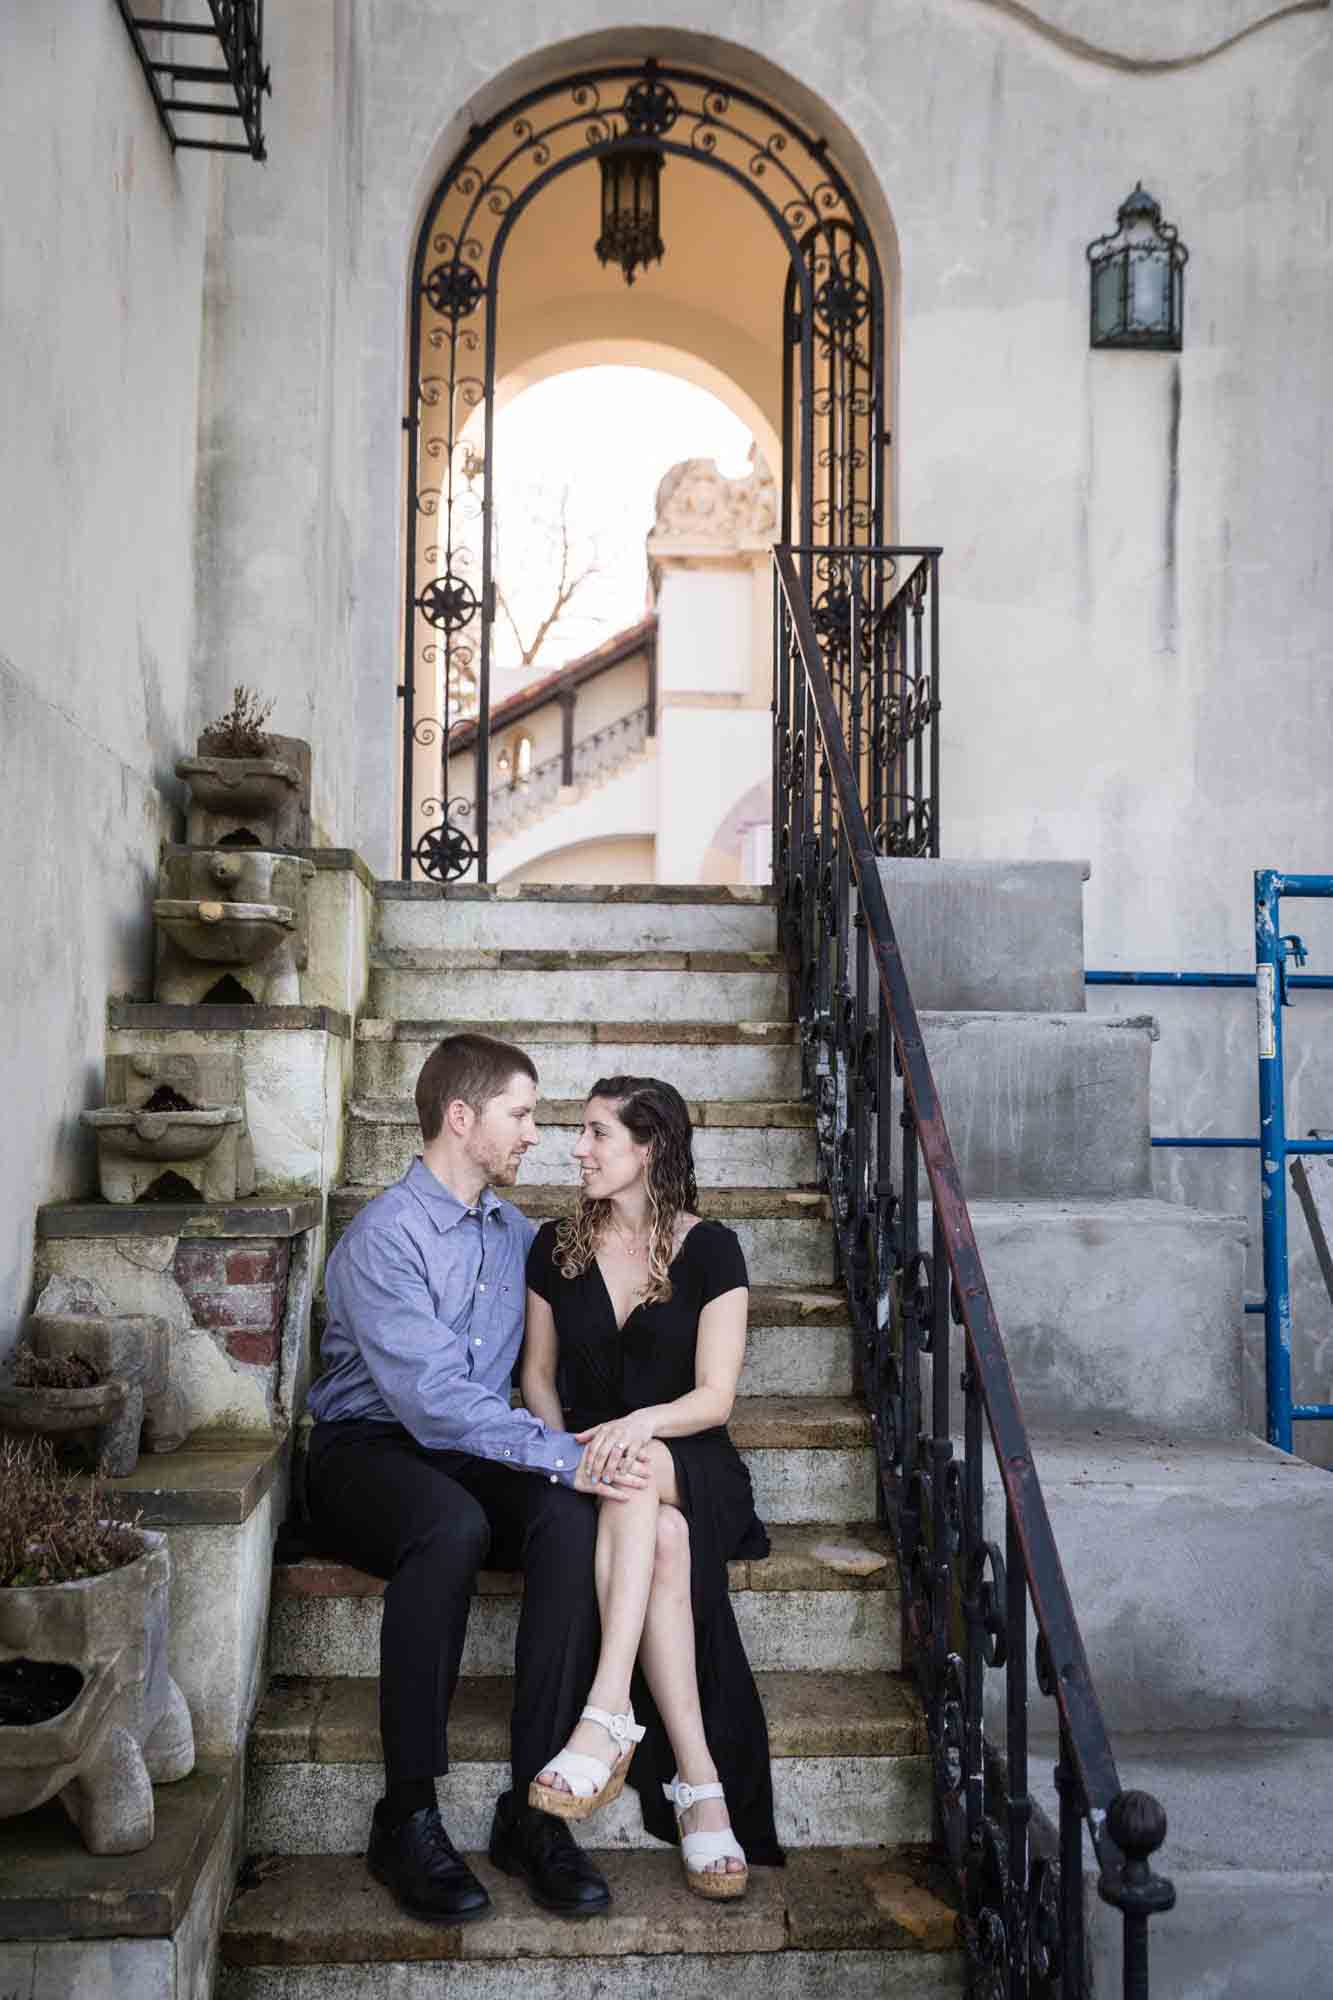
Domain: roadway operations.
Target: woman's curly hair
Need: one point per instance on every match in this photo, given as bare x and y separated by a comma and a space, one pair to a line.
655, 1114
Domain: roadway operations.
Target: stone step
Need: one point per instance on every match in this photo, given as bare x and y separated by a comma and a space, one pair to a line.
1251, 1857
755, 1144
990, 934
1202, 1575
810, 1458
849, 1764
1117, 1313
1038, 1105
784, 1233
824, 1599
702, 1058
559, 985
1043, 1106
858, 1922
547, 916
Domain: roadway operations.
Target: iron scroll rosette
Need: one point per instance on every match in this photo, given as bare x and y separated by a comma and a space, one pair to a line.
834, 443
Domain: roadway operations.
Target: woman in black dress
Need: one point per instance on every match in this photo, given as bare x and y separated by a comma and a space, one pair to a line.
635, 1338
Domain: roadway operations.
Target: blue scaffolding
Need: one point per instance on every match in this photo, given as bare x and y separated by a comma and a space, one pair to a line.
1273, 985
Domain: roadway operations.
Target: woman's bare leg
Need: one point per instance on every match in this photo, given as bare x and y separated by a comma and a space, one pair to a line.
623, 1570
666, 1654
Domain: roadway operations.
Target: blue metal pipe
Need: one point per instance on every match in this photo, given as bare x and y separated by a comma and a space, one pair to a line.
1292, 1146
1321, 981
1268, 967
1310, 1412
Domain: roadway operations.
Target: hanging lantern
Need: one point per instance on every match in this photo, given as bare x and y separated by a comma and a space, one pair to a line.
1138, 279
631, 209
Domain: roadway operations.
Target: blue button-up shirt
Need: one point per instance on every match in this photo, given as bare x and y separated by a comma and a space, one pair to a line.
426, 1302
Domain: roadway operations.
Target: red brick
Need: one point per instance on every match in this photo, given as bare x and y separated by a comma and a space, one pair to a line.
257, 1263
244, 1345
199, 1264
238, 1305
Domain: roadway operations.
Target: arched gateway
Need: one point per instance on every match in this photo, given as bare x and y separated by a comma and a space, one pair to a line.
829, 326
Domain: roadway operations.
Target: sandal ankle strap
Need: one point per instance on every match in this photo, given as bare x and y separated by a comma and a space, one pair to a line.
621, 1729
683, 1796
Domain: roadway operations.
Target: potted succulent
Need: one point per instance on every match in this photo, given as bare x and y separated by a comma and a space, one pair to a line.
247, 787
88, 1710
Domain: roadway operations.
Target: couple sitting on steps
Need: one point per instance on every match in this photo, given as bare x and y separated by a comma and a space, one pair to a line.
616, 1491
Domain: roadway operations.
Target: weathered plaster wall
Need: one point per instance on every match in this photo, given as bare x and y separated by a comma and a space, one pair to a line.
101, 263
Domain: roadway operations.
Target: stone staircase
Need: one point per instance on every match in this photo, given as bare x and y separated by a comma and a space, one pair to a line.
684, 984
1200, 1562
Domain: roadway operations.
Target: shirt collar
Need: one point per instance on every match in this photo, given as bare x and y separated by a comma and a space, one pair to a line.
445, 1210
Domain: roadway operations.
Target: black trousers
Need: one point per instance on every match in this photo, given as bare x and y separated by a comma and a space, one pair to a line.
427, 1521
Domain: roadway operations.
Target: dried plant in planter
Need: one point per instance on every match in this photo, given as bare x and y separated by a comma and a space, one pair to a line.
54, 1527
53, 1371
240, 731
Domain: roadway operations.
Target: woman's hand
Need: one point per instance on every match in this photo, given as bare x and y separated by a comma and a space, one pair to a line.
608, 1449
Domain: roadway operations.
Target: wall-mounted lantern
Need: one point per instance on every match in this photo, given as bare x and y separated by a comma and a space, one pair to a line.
1138, 279
631, 209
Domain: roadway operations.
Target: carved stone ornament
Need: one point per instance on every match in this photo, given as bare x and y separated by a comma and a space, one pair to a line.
700, 512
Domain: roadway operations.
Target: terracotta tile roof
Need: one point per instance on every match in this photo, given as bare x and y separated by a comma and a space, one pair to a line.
537, 693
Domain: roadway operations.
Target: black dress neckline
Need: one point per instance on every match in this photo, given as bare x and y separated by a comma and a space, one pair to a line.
621, 1324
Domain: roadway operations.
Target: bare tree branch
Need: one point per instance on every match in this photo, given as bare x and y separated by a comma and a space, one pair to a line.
572, 574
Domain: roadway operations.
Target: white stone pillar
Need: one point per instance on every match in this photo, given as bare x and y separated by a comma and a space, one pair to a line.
708, 555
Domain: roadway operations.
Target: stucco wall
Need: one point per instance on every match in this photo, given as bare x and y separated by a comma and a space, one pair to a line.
101, 269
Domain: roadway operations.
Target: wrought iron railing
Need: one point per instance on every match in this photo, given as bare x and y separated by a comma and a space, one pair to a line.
856, 712
214, 48
595, 756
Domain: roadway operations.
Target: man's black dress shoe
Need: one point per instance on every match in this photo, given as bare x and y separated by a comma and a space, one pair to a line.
424, 1869
541, 1849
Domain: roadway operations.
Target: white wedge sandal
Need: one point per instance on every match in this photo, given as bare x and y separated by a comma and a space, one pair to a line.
592, 1782
699, 1850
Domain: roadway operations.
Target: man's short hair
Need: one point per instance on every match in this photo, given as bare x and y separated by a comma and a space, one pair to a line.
475, 1068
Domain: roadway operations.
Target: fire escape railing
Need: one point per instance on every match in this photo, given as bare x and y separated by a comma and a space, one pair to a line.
856, 780
213, 49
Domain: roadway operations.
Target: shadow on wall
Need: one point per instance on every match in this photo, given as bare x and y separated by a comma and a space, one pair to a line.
740, 850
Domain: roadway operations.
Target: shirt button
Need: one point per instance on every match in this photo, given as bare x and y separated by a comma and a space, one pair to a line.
560, 1464
476, 1343
554, 1480
481, 1288
509, 1454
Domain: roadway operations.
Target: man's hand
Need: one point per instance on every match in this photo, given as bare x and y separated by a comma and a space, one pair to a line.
633, 1475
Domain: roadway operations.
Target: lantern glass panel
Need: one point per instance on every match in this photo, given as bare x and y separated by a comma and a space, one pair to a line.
1150, 292
1108, 307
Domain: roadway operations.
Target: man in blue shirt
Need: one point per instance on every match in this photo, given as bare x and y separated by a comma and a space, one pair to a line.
420, 1471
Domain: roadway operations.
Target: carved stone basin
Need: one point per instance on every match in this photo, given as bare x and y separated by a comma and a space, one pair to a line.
224, 933
57, 1412
161, 1135
240, 784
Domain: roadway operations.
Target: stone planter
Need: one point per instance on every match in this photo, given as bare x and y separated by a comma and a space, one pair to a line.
242, 910
129, 1350
263, 800
128, 1727
134, 1148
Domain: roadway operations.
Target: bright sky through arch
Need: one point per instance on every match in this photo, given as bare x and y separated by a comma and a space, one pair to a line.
609, 434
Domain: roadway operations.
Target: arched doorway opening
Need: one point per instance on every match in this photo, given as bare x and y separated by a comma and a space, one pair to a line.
806, 340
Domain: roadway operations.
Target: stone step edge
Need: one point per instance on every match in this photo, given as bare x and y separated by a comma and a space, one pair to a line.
812, 1714
859, 1559
722, 1204
764, 1114
722, 1034
325, 1909
790, 1423
467, 958
709, 894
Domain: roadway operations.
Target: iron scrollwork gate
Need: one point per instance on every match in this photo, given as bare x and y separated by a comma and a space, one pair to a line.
832, 323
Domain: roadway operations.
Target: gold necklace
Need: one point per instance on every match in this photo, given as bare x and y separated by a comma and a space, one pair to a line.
631, 1246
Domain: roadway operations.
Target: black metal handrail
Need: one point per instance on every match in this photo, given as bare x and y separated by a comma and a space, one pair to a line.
856, 709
